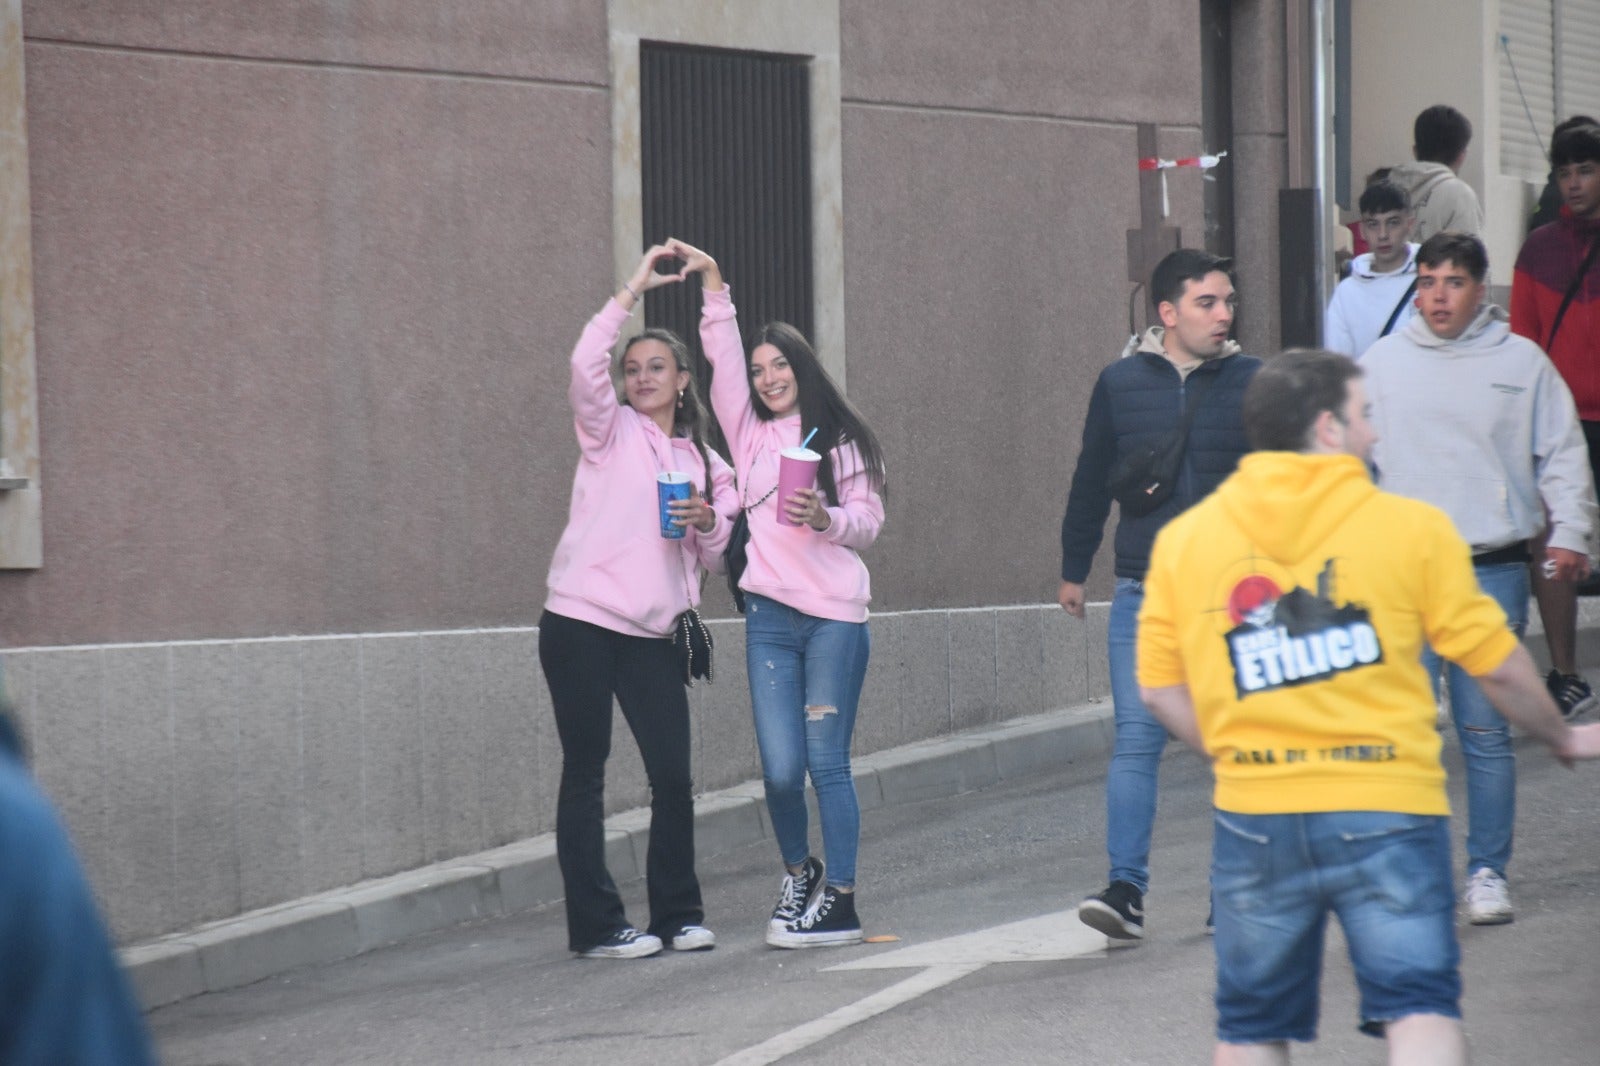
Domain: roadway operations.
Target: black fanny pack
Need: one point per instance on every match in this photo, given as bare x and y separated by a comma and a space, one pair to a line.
1143, 478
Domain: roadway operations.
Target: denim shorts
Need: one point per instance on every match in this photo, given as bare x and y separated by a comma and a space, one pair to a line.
1276, 877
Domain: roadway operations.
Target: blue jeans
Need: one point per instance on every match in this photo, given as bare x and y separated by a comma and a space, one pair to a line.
1275, 877
1485, 737
805, 683
1131, 779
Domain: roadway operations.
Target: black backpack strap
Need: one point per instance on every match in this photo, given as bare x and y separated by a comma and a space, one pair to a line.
1410, 289
1572, 292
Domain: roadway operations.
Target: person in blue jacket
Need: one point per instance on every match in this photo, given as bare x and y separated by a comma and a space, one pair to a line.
1186, 364
64, 1000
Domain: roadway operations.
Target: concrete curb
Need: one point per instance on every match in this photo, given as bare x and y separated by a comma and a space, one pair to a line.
518, 877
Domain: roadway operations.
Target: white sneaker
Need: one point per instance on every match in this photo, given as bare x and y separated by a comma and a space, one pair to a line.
692, 938
1487, 897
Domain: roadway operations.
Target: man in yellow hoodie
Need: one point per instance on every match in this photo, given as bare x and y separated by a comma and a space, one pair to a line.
1282, 635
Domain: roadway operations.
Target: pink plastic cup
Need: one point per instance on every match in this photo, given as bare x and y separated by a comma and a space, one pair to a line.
797, 469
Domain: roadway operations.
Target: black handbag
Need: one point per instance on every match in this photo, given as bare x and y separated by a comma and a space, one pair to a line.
691, 641
1142, 479
736, 555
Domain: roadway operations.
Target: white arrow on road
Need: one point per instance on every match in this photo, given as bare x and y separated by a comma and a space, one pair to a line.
1046, 938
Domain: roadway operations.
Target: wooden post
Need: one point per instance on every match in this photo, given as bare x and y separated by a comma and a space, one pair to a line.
1154, 238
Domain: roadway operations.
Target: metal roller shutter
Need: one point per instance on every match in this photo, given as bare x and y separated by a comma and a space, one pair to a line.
1529, 29
726, 165
1577, 33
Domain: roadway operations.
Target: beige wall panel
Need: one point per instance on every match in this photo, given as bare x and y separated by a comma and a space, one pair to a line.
561, 40
983, 296
1102, 59
302, 343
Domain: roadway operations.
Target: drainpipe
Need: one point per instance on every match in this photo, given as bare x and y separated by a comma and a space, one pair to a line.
1304, 218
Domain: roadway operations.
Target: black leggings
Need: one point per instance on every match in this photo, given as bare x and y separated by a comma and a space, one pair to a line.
584, 665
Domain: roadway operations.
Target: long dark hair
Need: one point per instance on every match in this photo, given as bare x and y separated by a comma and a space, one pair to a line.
823, 407
689, 417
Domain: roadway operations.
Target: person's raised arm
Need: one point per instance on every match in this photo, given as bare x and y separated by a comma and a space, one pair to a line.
724, 350
592, 393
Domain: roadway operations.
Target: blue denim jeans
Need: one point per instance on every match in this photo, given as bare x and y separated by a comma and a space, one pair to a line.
1275, 878
1485, 737
1136, 756
805, 683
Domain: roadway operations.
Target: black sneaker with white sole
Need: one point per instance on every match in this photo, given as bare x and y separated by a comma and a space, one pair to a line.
1118, 912
800, 893
1571, 693
830, 921
625, 943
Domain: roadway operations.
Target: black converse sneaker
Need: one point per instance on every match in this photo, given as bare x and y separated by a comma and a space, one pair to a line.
800, 893
831, 920
1571, 693
1118, 912
625, 943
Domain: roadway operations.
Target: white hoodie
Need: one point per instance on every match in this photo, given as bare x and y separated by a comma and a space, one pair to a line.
1363, 302
1483, 428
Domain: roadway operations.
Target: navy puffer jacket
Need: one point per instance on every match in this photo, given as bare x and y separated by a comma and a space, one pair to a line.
1139, 401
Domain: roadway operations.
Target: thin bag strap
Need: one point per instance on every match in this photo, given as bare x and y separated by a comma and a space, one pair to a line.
1194, 403
1404, 299
1572, 291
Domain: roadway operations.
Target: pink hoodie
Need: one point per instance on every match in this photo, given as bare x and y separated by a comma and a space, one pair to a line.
818, 574
613, 567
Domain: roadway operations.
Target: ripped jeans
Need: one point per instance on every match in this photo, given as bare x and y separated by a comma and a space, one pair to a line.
805, 682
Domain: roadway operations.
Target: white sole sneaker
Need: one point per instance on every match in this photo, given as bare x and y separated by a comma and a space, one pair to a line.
1101, 916
1488, 899
693, 938
640, 947
783, 938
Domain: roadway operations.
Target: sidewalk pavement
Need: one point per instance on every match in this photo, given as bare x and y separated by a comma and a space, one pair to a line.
517, 877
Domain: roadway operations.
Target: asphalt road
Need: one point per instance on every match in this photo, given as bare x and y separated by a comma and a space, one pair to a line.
506, 991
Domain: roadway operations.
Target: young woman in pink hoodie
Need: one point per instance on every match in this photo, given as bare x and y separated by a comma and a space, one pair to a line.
617, 585
806, 590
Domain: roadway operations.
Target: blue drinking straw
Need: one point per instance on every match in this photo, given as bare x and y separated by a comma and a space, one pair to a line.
813, 433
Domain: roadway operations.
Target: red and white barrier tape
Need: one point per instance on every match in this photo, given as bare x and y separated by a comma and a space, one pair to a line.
1199, 162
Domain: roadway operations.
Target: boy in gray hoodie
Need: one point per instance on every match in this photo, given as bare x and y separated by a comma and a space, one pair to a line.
1441, 200
1475, 420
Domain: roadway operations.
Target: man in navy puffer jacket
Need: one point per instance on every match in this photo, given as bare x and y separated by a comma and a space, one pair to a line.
1139, 402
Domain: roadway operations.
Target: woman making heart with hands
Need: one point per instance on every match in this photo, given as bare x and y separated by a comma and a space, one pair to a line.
806, 636
618, 581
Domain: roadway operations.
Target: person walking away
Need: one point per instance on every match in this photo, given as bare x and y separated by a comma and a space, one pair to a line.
1282, 634
1441, 199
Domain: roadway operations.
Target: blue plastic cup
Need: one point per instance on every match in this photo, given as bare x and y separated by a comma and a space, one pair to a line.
673, 485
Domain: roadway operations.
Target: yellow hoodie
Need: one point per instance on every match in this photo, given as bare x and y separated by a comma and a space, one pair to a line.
1294, 603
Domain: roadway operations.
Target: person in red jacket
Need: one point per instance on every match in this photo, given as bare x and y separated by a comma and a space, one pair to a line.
1555, 302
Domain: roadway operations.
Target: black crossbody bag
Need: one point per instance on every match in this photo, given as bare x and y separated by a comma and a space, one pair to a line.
735, 557
1143, 479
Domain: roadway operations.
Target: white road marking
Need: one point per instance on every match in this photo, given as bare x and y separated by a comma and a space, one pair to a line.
1046, 938
769, 1051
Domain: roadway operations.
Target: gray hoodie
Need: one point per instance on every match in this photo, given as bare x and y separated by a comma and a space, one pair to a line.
1441, 200
1483, 428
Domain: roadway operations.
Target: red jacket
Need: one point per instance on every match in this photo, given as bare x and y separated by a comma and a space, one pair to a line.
1545, 267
